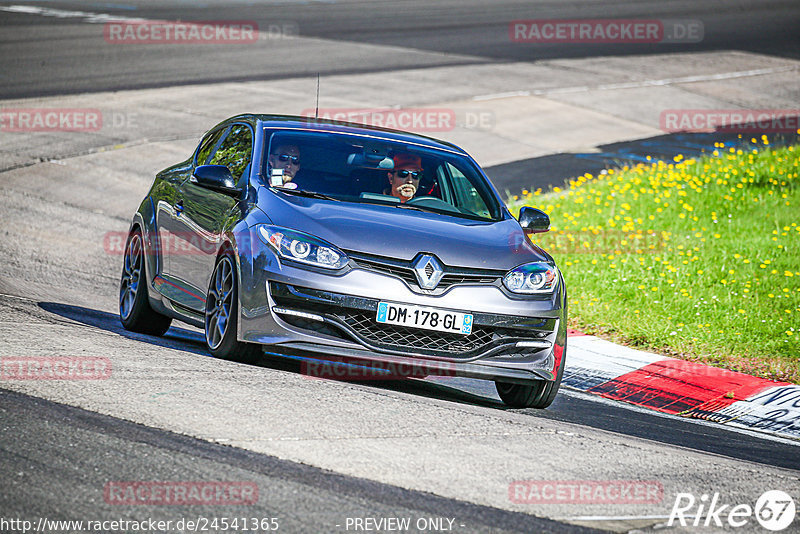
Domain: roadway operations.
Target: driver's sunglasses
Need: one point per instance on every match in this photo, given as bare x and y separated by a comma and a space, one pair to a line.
286, 157
404, 174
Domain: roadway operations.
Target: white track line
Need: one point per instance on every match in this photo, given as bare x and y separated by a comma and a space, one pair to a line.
86, 16
643, 83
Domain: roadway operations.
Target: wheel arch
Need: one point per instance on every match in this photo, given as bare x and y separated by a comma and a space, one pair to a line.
229, 245
145, 220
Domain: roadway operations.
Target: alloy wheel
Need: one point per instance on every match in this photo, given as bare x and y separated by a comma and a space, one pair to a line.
219, 303
131, 274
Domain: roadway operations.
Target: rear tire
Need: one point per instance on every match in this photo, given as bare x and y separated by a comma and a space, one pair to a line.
135, 312
221, 316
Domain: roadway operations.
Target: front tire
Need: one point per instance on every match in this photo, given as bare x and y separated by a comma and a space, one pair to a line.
538, 394
135, 312
221, 317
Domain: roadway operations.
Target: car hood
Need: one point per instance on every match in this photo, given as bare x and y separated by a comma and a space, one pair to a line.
400, 233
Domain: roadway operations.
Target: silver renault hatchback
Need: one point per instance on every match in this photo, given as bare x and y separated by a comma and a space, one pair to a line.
349, 245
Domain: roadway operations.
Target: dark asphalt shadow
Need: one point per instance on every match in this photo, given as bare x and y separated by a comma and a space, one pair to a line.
620, 418
175, 338
556, 170
186, 339
443, 391
587, 410
305, 498
570, 407
191, 340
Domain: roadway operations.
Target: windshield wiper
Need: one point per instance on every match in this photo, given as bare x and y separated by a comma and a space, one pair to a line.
407, 207
454, 212
305, 193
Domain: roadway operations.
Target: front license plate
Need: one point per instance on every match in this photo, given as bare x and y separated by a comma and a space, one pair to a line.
423, 317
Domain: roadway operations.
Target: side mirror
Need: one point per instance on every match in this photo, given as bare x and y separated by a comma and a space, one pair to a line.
533, 221
216, 178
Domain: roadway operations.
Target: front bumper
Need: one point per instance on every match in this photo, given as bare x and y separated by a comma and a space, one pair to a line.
300, 312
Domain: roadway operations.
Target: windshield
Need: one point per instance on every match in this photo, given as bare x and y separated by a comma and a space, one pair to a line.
353, 168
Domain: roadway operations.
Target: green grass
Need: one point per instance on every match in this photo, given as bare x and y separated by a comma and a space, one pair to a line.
696, 259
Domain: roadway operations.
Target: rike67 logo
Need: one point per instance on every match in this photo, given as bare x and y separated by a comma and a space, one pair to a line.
774, 510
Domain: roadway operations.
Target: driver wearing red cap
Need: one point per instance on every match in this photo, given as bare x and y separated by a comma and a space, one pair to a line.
404, 179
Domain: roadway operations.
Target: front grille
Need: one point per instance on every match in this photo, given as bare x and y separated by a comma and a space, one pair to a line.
404, 273
354, 318
394, 336
403, 270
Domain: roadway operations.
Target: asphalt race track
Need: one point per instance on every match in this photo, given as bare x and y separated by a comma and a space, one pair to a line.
47, 55
442, 453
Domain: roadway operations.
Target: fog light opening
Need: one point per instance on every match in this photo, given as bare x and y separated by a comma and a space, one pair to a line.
536, 344
304, 315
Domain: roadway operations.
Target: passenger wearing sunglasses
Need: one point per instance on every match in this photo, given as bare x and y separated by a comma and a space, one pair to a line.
404, 179
286, 157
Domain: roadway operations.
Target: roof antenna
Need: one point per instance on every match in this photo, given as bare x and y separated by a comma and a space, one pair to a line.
316, 111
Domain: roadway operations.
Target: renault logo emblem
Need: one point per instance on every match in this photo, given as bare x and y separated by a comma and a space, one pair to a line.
428, 271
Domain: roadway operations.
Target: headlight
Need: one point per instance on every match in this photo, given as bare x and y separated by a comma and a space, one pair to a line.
535, 277
304, 248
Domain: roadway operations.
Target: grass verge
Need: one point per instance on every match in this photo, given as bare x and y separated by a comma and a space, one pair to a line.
697, 259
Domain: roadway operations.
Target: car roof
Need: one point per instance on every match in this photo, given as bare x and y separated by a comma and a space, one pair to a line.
310, 123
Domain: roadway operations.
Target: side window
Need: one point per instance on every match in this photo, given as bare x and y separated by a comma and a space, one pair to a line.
467, 196
235, 150
208, 145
